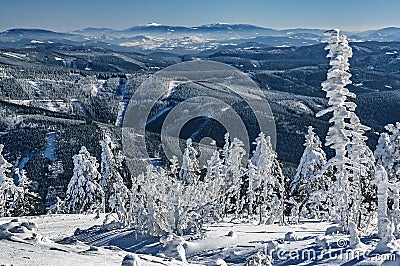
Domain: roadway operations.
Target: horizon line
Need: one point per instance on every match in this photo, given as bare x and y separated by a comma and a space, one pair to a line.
154, 24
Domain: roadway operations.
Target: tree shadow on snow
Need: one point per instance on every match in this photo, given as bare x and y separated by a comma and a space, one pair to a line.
126, 239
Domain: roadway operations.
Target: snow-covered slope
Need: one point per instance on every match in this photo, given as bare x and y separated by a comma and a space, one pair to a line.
56, 240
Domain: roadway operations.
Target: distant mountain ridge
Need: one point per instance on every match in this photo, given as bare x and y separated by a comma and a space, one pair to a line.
207, 38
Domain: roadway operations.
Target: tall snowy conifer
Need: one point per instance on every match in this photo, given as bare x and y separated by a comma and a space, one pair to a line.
266, 181
190, 166
84, 194
116, 193
345, 130
233, 172
27, 200
8, 190
214, 167
362, 171
308, 179
387, 151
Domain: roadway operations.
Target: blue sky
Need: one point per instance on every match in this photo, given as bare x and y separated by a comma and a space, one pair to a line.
76, 14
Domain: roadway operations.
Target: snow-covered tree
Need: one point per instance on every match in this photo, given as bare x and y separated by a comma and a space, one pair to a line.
252, 192
166, 204
387, 151
382, 182
162, 202
8, 190
385, 227
56, 207
345, 134
84, 194
387, 155
107, 159
361, 173
395, 212
308, 179
215, 177
214, 167
190, 166
265, 182
233, 171
112, 183
27, 200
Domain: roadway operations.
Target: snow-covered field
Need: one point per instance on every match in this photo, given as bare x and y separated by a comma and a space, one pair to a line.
57, 241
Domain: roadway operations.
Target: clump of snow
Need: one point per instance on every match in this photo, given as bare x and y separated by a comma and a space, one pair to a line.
131, 260
173, 247
221, 262
19, 231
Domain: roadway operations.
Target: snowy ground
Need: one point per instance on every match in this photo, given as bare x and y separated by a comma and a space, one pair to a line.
56, 241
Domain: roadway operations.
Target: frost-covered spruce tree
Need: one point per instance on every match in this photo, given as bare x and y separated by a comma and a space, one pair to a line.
387, 151
361, 173
112, 183
8, 190
107, 161
385, 227
251, 193
266, 182
387, 155
340, 132
233, 172
395, 212
27, 200
119, 198
214, 167
84, 194
215, 178
190, 166
308, 179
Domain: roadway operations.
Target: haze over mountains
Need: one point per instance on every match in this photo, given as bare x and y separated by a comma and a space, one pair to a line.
182, 40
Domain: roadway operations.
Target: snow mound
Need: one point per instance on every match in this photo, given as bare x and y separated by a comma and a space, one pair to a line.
131, 260
173, 247
19, 231
221, 262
